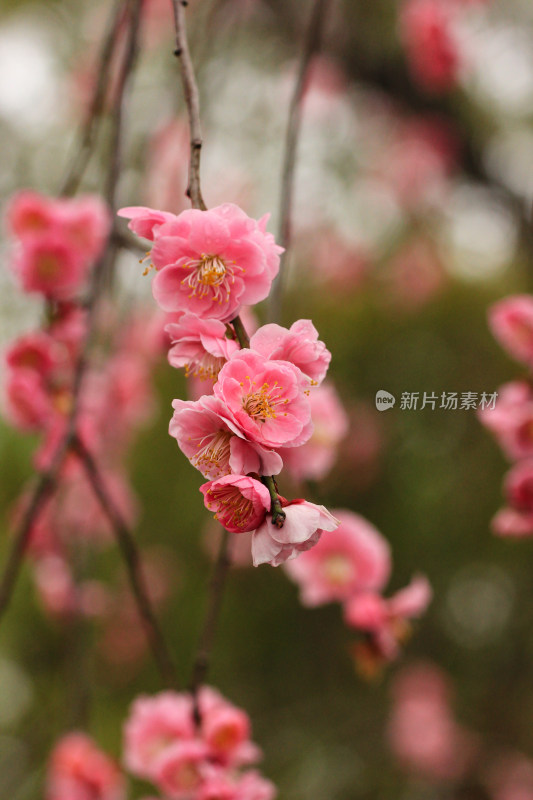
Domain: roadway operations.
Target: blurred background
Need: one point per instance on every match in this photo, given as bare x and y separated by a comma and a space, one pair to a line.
414, 186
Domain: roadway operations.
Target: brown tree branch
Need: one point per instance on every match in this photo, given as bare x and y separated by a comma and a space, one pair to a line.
311, 46
202, 656
192, 101
132, 561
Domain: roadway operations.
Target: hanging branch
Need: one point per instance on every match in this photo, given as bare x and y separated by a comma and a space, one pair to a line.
48, 479
192, 101
132, 561
89, 130
311, 46
202, 657
204, 647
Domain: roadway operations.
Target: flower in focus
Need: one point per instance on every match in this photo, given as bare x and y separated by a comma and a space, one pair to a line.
299, 345
303, 526
265, 399
209, 262
239, 503
214, 444
199, 345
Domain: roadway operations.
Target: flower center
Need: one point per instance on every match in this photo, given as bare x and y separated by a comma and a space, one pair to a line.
337, 570
232, 505
264, 403
211, 275
213, 453
48, 265
208, 366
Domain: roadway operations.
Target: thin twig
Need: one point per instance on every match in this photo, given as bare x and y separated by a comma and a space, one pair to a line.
47, 481
89, 130
311, 45
192, 101
202, 655
130, 554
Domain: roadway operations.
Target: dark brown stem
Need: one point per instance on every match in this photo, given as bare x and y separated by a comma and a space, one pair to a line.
240, 332
192, 101
311, 46
202, 656
47, 481
132, 561
43, 490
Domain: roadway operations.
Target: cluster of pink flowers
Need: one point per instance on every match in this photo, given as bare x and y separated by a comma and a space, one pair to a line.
210, 263
40, 375
511, 419
56, 241
352, 566
164, 746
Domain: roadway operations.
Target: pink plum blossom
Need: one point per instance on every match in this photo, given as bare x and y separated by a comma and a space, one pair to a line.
29, 213
511, 322
240, 503
178, 771
512, 523
199, 345
214, 444
85, 222
219, 784
314, 459
145, 222
386, 619
49, 265
226, 730
353, 558
299, 345
57, 239
304, 524
422, 731
209, 262
155, 723
28, 405
431, 44
265, 399
517, 519
78, 770
36, 350
188, 760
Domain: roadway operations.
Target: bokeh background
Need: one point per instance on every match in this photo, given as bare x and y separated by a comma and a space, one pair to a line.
412, 215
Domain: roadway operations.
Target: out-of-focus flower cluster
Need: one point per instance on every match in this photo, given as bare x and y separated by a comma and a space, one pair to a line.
164, 746
431, 747
352, 566
56, 244
511, 420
